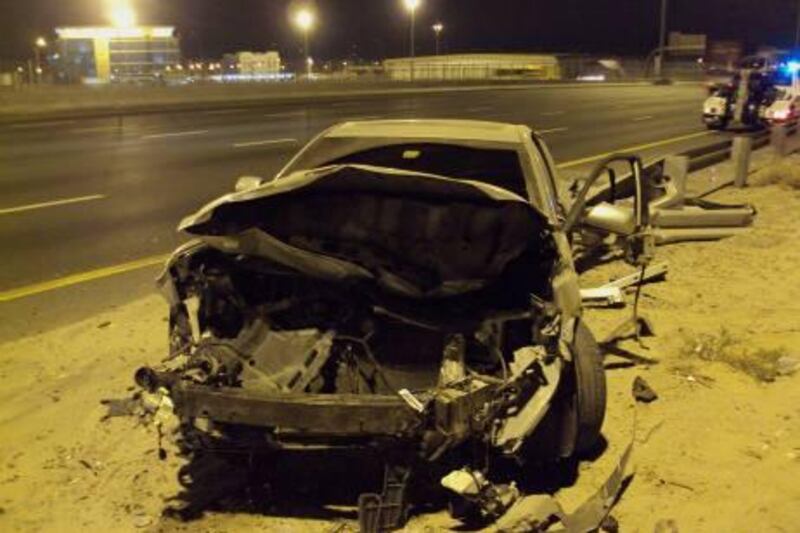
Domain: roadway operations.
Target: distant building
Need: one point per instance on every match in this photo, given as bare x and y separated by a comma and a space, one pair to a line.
253, 63
252, 67
474, 67
724, 53
108, 54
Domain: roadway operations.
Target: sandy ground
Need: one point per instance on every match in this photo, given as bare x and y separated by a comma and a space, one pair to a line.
718, 451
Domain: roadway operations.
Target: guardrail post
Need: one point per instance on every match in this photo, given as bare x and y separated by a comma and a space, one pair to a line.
676, 167
778, 139
740, 156
792, 138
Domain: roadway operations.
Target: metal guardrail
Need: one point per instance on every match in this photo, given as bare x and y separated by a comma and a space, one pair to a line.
785, 138
760, 139
711, 154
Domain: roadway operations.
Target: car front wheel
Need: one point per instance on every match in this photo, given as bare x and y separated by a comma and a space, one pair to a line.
589, 396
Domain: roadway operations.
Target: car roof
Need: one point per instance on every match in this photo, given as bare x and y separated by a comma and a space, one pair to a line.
433, 129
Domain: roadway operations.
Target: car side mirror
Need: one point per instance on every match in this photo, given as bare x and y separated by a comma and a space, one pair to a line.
248, 183
638, 237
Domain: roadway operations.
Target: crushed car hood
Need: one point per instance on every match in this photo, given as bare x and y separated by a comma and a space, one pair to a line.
414, 234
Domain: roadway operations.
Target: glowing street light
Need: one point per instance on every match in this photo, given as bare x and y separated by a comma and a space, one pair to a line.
412, 6
305, 19
122, 14
437, 30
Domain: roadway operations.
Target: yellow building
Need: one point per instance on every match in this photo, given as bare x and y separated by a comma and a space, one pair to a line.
92, 54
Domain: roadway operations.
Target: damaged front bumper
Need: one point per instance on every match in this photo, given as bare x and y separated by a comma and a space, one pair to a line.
501, 414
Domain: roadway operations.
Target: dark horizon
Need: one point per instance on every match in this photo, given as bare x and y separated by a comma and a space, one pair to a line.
379, 28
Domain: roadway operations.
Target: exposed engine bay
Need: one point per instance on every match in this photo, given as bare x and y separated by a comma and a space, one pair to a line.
356, 306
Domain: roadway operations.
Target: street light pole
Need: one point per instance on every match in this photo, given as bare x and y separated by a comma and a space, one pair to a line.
797, 28
662, 40
413, 47
304, 20
39, 45
437, 30
307, 53
37, 62
412, 6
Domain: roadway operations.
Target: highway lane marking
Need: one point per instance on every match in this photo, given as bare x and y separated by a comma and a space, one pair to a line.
42, 124
285, 114
222, 111
54, 203
638, 148
83, 277
265, 142
363, 117
174, 134
94, 129
642, 119
551, 130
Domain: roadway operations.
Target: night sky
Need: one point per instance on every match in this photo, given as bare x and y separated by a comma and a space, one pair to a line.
374, 29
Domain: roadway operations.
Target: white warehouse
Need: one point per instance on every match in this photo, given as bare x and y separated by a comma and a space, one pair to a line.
474, 67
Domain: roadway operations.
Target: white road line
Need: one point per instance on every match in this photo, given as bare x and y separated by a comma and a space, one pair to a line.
175, 134
221, 111
363, 117
552, 113
551, 130
41, 124
54, 203
642, 119
285, 114
265, 143
94, 129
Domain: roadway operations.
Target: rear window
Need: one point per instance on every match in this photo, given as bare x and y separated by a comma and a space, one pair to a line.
496, 167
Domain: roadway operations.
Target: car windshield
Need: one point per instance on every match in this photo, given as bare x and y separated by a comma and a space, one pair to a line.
496, 167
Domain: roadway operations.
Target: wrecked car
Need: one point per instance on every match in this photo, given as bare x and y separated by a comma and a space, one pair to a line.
401, 286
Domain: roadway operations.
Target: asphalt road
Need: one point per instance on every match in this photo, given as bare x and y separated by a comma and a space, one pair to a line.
77, 196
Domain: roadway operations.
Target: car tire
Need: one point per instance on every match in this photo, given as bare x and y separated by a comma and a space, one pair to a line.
590, 389
571, 428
